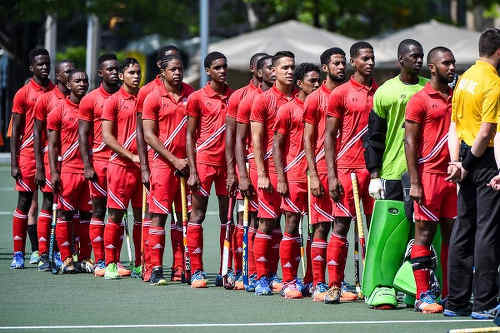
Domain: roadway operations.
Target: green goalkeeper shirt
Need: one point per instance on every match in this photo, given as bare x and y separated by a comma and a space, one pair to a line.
389, 103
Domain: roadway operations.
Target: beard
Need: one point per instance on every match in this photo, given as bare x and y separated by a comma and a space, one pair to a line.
335, 78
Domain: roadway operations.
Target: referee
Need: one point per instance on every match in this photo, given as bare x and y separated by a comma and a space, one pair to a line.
474, 244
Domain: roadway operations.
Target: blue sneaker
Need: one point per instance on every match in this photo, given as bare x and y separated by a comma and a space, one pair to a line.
17, 260
57, 260
460, 312
44, 264
486, 314
427, 303
218, 280
252, 283
230, 280
199, 280
262, 288
276, 283
35, 258
305, 289
320, 292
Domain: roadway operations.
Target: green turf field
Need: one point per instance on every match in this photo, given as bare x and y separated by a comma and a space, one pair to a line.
42, 302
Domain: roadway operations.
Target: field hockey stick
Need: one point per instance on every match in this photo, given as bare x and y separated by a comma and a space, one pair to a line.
143, 258
245, 242
302, 257
359, 218
187, 261
127, 235
52, 265
309, 225
356, 262
227, 246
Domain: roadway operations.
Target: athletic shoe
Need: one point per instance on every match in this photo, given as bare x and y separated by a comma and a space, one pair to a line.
239, 285
147, 273
427, 303
176, 274
199, 280
100, 268
348, 293
230, 280
305, 288
86, 266
137, 272
291, 290
58, 260
17, 260
319, 292
111, 272
68, 267
124, 272
34, 258
252, 283
157, 278
44, 264
333, 295
276, 283
262, 288
218, 281
460, 312
486, 314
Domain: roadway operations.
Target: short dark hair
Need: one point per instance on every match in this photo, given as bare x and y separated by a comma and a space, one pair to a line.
262, 61
162, 50
166, 59
59, 63
211, 57
354, 51
435, 50
74, 71
282, 54
327, 54
489, 42
303, 69
128, 62
256, 57
405, 45
35, 53
105, 57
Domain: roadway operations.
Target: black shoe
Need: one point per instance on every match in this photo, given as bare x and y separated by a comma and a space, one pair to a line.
157, 278
44, 264
464, 311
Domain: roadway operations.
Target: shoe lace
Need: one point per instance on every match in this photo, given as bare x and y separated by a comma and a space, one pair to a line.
321, 287
428, 297
333, 292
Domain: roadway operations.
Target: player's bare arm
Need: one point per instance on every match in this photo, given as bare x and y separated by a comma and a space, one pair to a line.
142, 150
310, 147
112, 143
53, 139
411, 143
245, 186
232, 180
334, 186
278, 145
192, 125
257, 132
38, 127
17, 125
84, 128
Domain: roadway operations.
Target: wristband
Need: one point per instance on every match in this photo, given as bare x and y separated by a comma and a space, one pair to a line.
469, 161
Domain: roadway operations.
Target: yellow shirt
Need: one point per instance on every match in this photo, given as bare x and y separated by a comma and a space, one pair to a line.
476, 100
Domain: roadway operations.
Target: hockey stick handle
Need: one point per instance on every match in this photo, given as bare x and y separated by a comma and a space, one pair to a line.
184, 200
359, 219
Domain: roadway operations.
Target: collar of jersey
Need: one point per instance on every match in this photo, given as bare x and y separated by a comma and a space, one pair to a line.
325, 88
36, 86
165, 93
360, 86
103, 91
210, 92
486, 65
432, 92
70, 102
58, 92
125, 94
279, 94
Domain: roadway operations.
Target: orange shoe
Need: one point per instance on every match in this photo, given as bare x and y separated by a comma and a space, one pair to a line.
427, 304
99, 268
176, 274
276, 284
239, 285
348, 296
290, 291
319, 293
122, 271
199, 280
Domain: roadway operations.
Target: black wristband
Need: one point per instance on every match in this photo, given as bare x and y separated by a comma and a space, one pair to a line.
469, 161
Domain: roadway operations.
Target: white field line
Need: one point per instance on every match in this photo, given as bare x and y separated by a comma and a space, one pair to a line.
298, 323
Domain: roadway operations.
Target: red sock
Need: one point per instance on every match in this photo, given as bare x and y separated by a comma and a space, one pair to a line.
96, 233
275, 250
157, 241
146, 224
444, 269
43, 231
318, 260
19, 227
136, 235
238, 248
422, 276
83, 235
63, 237
222, 237
251, 256
111, 239
336, 258
288, 254
195, 246
261, 250
177, 246
308, 277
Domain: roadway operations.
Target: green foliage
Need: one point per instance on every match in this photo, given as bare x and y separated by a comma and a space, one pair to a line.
77, 54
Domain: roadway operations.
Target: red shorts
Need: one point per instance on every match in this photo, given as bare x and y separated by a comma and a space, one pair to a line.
165, 190
296, 200
345, 207
253, 203
75, 193
99, 187
269, 202
124, 186
322, 207
440, 199
47, 188
211, 174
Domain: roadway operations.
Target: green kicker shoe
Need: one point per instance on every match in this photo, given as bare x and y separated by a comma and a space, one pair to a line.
383, 298
136, 272
111, 272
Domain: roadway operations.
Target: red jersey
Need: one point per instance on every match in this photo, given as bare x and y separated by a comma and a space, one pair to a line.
351, 103
243, 116
289, 122
433, 113
146, 90
237, 96
24, 103
120, 108
64, 119
264, 110
171, 120
210, 108
90, 110
43, 106
316, 107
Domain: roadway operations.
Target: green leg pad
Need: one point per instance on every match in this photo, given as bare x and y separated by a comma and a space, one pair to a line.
387, 240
